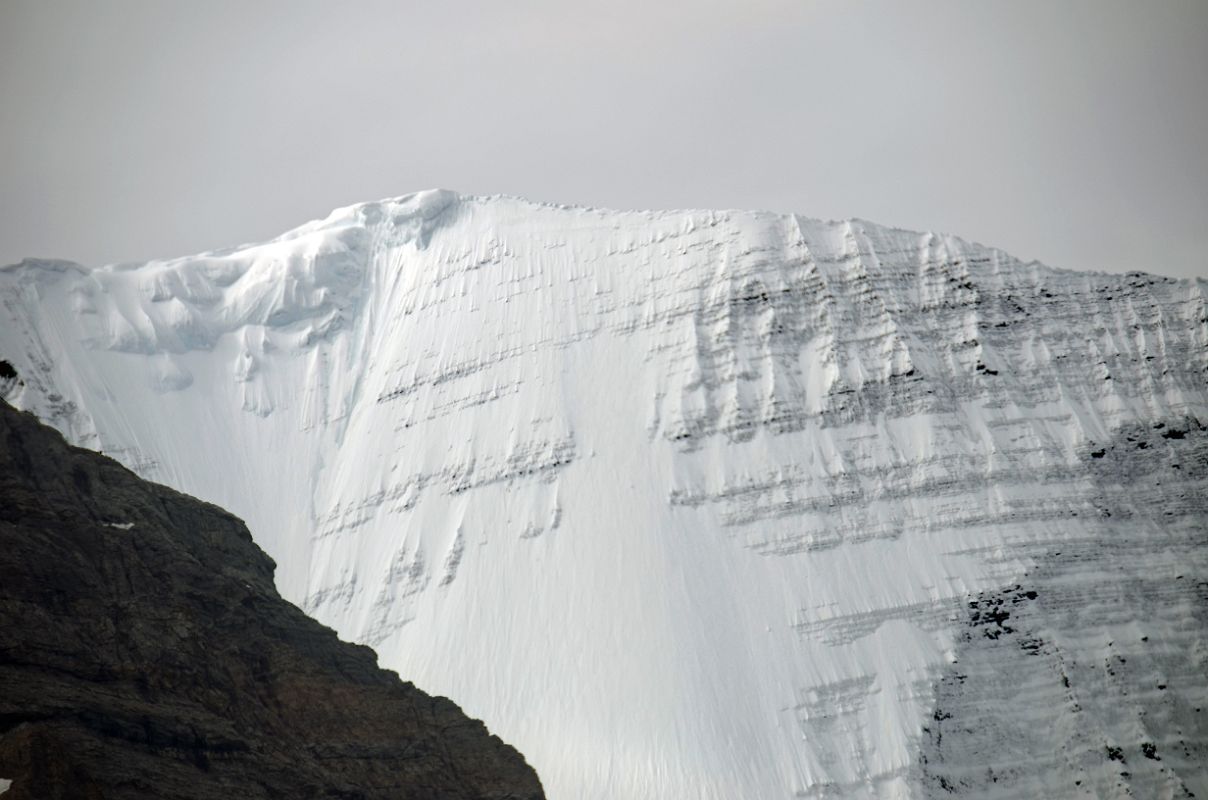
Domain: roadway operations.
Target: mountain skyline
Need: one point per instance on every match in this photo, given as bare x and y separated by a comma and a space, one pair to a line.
1069, 133
690, 504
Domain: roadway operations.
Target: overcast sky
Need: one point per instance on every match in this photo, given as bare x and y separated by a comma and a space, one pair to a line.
1075, 133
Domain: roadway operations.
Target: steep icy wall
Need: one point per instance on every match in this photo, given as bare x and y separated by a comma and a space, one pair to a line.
686, 504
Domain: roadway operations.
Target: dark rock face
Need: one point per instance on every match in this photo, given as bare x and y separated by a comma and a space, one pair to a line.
1087, 679
144, 652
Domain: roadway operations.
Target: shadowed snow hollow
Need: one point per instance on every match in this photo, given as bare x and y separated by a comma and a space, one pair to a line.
691, 504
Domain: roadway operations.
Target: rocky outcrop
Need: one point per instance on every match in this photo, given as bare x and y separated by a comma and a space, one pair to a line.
1087, 678
145, 653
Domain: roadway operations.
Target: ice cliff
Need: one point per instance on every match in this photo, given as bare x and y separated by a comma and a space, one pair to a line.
694, 504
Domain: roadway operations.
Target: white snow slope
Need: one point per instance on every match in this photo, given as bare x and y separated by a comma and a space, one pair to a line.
691, 504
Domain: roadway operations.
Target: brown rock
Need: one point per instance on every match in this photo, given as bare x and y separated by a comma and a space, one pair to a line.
144, 652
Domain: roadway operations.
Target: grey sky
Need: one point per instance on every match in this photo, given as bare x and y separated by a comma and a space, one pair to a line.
1071, 132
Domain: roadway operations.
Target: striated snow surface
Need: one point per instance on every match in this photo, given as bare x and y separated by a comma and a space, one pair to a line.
692, 504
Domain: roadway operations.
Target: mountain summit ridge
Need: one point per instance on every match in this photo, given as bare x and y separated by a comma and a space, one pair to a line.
713, 490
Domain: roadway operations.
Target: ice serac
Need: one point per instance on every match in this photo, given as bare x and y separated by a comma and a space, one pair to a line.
704, 504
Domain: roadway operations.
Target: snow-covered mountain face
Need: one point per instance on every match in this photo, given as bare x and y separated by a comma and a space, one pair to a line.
692, 504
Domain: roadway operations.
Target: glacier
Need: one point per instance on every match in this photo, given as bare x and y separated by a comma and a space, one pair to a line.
691, 504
